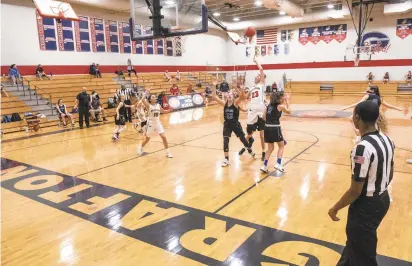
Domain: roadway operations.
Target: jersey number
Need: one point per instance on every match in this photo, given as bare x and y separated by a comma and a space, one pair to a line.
155, 114
255, 94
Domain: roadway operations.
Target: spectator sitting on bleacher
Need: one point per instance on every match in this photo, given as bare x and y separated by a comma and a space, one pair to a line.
174, 90
96, 107
409, 78
119, 72
14, 74
386, 78
61, 109
130, 68
167, 76
178, 77
4, 92
40, 73
94, 70
190, 89
370, 77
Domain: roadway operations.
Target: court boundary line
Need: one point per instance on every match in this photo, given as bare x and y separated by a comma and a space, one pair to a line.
268, 175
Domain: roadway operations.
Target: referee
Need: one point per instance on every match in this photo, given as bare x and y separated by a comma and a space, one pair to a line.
372, 171
127, 93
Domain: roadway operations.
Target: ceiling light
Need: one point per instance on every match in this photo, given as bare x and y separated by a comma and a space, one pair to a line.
282, 13
169, 2
236, 19
330, 6
216, 14
258, 3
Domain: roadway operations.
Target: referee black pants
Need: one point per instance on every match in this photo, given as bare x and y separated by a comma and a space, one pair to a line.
83, 112
129, 110
364, 216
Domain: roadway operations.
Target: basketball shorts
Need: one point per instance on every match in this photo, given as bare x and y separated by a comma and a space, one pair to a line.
236, 128
152, 130
273, 134
259, 125
121, 121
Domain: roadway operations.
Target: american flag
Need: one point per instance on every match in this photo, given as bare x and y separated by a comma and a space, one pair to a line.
266, 36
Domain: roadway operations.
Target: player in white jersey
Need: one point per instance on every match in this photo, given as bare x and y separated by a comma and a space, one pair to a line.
255, 110
154, 126
140, 115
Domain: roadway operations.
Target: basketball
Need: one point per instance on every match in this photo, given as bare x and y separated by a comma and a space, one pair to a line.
250, 32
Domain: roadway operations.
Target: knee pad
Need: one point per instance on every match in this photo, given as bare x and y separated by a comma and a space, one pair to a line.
225, 144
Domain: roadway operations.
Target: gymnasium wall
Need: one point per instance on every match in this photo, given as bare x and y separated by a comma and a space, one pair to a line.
20, 45
326, 61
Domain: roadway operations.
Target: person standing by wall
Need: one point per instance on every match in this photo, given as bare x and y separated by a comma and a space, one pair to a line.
372, 171
130, 68
127, 94
83, 103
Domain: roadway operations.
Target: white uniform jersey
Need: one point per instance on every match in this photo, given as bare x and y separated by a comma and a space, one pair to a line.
140, 113
154, 113
257, 103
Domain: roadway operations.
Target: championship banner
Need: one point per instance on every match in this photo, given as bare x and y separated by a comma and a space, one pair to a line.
148, 44
269, 50
47, 33
257, 50
283, 35
81, 30
404, 27
275, 49
177, 46
327, 33
97, 32
65, 35
158, 46
340, 32
304, 36
315, 35
184, 101
286, 49
124, 38
112, 37
138, 45
263, 50
169, 47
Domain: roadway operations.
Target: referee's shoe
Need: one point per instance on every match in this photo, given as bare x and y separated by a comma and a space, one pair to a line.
372, 172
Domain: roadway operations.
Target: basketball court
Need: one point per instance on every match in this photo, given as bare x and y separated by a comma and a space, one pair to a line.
75, 197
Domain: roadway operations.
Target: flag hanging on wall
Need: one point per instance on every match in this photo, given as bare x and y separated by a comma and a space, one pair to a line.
340, 32
137, 46
112, 36
124, 38
327, 33
404, 27
81, 31
65, 35
315, 35
266, 36
97, 32
47, 33
275, 49
158, 46
148, 44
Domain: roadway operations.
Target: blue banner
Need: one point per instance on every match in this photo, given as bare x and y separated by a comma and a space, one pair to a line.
185, 101
81, 30
47, 33
112, 36
124, 38
97, 30
138, 45
65, 35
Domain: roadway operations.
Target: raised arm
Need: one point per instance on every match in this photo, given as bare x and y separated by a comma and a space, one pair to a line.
241, 92
262, 74
144, 98
364, 98
390, 106
285, 107
214, 95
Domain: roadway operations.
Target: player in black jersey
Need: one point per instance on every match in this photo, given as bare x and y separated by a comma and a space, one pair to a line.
273, 132
373, 94
231, 124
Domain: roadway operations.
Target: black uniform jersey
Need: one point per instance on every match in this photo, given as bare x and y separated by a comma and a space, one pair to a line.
231, 113
273, 115
375, 98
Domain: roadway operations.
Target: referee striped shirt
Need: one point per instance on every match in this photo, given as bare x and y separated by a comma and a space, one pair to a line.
372, 162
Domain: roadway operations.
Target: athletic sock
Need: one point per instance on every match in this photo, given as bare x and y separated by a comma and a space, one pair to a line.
279, 161
249, 150
265, 162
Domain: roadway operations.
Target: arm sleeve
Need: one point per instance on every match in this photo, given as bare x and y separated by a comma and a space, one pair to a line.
361, 158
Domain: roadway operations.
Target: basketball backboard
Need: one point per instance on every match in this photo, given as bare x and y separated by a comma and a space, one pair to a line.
55, 9
152, 19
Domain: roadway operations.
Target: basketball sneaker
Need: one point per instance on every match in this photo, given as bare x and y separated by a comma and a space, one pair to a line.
114, 137
169, 154
139, 150
242, 151
264, 169
225, 163
279, 167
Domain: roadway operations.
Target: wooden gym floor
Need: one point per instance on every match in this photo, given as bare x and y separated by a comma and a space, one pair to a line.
77, 198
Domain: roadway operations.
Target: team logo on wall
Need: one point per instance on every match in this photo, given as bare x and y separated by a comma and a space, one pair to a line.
379, 42
304, 35
327, 33
315, 37
198, 99
340, 32
404, 27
